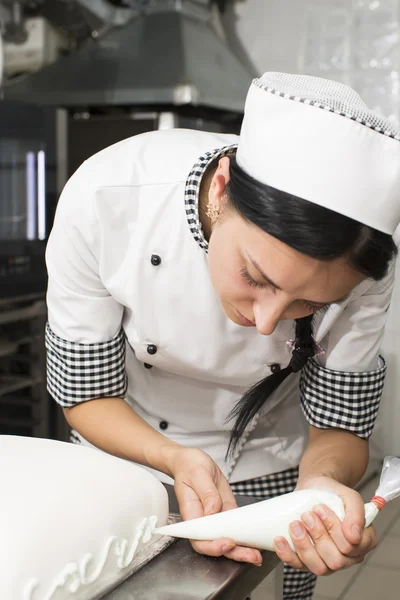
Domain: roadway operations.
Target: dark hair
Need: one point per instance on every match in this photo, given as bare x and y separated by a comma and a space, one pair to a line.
314, 231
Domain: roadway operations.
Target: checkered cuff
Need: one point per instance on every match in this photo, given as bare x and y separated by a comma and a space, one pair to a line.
348, 401
79, 372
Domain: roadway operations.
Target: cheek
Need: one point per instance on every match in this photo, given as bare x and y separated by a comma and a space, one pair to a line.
225, 277
219, 258
225, 274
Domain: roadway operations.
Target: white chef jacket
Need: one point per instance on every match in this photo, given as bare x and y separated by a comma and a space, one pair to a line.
132, 313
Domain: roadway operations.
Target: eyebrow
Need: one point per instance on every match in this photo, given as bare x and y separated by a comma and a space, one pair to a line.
274, 285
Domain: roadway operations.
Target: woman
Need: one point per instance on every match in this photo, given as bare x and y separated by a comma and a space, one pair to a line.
222, 267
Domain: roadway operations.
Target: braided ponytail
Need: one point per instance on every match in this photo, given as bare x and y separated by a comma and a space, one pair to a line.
254, 399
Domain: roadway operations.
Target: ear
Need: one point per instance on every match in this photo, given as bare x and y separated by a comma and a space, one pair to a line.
219, 181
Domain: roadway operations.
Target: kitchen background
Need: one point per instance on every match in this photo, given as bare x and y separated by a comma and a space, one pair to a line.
78, 75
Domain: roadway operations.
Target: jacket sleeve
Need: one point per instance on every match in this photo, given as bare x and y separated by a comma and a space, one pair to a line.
84, 338
342, 387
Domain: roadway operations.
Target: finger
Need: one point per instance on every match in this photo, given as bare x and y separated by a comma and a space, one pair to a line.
334, 527
227, 496
369, 541
354, 520
306, 550
242, 554
203, 484
190, 506
370, 538
286, 554
199, 497
226, 547
213, 548
324, 544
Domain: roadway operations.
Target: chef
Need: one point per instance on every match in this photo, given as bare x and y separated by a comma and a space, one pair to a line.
216, 306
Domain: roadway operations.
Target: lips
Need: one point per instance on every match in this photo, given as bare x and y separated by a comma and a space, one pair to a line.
244, 320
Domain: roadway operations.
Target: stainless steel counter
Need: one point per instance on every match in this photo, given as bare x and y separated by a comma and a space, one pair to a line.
179, 573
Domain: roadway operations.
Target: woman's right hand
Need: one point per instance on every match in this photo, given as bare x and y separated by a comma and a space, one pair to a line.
202, 489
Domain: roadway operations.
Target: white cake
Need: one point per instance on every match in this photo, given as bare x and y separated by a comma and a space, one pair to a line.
73, 520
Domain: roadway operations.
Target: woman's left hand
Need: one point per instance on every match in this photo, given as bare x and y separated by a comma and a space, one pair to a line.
336, 544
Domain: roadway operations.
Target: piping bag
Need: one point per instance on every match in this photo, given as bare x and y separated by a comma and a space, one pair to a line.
256, 525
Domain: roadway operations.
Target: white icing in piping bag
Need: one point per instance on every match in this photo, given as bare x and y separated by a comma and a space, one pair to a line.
257, 525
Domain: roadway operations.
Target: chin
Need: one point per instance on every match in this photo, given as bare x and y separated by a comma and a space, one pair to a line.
230, 313
235, 320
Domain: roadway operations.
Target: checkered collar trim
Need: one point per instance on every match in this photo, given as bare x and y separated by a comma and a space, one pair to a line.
192, 190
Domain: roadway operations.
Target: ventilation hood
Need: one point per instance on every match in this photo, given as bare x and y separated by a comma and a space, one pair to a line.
168, 54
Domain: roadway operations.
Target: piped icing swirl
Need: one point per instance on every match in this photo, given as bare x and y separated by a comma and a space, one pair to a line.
76, 574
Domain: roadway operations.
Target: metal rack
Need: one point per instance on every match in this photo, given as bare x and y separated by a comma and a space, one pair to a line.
25, 406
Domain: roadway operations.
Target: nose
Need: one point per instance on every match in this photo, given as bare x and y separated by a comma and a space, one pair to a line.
267, 316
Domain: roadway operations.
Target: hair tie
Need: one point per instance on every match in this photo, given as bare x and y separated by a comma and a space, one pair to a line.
318, 349
299, 358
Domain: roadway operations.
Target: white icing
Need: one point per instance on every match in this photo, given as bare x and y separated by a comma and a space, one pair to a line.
371, 512
74, 521
75, 575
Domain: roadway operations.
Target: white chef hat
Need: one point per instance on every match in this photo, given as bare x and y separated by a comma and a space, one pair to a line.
316, 139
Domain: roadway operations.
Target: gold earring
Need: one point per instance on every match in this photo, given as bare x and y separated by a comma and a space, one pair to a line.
212, 213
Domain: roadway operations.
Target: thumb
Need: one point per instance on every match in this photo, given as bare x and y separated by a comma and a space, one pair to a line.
354, 520
208, 494
199, 497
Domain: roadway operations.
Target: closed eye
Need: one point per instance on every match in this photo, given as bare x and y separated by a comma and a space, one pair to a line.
313, 308
256, 284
